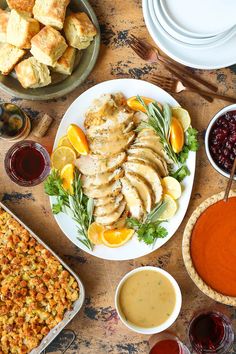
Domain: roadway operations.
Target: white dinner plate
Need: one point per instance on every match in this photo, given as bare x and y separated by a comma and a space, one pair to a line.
75, 114
212, 56
157, 14
202, 18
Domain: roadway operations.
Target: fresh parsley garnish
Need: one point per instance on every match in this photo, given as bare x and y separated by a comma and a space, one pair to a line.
77, 205
181, 173
150, 229
191, 144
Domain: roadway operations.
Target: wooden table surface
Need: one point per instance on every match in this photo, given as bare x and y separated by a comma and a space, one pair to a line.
97, 326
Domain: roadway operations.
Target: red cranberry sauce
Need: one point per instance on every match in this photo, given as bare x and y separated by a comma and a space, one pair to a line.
222, 141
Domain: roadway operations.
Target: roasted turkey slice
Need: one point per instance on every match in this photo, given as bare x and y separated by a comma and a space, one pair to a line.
151, 156
108, 147
149, 174
107, 190
113, 217
143, 189
152, 143
108, 200
147, 132
108, 208
133, 200
119, 121
91, 165
101, 178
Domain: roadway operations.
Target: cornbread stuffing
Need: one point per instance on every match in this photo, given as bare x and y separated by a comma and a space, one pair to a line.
35, 289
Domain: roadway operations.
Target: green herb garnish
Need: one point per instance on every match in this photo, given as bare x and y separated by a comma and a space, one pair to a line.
159, 120
76, 205
150, 229
181, 173
190, 145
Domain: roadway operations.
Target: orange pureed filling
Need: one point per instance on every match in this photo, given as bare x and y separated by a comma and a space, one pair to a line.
213, 246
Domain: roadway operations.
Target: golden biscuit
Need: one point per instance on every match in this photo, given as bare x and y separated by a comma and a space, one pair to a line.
48, 46
66, 62
21, 29
51, 12
9, 57
79, 30
32, 74
4, 17
21, 5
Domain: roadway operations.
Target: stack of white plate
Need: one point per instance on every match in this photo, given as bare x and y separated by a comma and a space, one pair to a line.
197, 33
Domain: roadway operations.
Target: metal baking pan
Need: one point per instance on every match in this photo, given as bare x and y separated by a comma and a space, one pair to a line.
77, 304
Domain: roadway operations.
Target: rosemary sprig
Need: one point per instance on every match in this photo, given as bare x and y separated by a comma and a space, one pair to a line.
159, 121
77, 205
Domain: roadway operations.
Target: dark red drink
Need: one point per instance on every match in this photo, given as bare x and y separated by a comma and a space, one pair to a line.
166, 346
27, 163
166, 343
211, 332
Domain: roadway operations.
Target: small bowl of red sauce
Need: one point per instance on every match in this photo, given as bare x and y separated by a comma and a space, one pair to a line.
220, 140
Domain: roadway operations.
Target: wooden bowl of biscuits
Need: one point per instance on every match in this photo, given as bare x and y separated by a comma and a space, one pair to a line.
47, 47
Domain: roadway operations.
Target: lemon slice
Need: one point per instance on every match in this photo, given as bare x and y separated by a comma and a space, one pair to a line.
95, 233
62, 156
117, 237
172, 187
170, 208
67, 175
64, 141
183, 116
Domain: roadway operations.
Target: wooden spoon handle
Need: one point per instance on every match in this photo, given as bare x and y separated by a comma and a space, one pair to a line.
230, 181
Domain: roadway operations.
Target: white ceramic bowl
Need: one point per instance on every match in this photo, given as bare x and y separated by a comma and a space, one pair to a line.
226, 109
170, 320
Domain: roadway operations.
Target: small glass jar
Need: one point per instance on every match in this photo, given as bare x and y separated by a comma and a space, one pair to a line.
211, 332
27, 163
162, 342
15, 125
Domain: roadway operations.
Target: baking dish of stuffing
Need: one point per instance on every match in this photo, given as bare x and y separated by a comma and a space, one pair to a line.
39, 293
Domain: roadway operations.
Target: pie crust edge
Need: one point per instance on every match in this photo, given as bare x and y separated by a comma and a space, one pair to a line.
206, 289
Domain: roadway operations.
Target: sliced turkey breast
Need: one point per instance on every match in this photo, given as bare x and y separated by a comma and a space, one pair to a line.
143, 189
133, 200
113, 217
149, 174
91, 165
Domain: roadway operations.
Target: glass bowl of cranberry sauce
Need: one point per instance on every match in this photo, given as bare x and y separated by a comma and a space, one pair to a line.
220, 140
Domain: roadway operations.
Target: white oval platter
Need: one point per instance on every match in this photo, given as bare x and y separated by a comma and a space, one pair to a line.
75, 114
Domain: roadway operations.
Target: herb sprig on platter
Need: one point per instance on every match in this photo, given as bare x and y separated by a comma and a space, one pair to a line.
150, 229
160, 121
76, 205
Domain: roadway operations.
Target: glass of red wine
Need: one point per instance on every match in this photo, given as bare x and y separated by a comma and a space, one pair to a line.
27, 163
167, 343
211, 332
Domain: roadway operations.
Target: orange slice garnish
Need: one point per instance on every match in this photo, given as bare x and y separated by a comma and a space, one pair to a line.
95, 233
67, 176
176, 135
117, 237
78, 139
136, 106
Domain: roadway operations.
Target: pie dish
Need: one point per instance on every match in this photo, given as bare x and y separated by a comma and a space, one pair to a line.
222, 295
